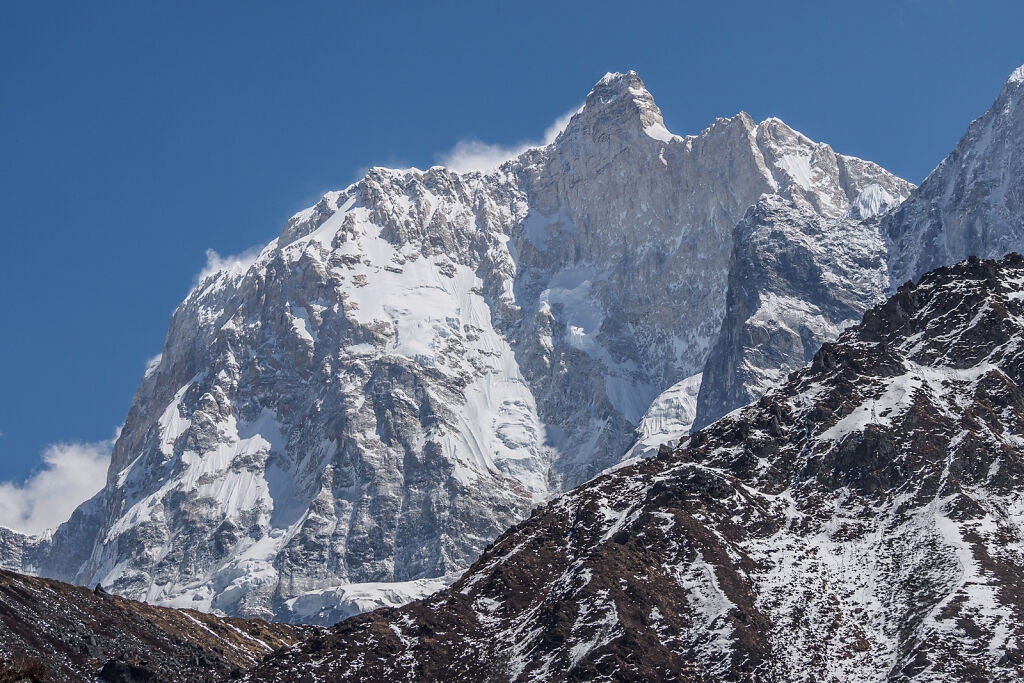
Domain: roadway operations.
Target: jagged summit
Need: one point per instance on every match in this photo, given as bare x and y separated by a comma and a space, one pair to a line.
611, 77
619, 106
615, 84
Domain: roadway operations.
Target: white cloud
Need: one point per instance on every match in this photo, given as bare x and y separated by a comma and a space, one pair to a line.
237, 263
72, 473
559, 125
153, 363
474, 155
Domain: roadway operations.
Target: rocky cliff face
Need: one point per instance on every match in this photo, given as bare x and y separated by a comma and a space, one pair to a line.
861, 522
798, 277
419, 359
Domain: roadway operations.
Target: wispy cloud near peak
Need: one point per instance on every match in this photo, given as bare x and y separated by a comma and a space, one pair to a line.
474, 155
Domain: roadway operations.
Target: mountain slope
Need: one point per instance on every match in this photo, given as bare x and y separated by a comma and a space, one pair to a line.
419, 359
70, 633
782, 306
862, 522
972, 204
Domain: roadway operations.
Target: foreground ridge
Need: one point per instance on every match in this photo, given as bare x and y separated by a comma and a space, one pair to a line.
861, 522
51, 631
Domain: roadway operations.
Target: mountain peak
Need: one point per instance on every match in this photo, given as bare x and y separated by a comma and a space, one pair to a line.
619, 79
1012, 90
615, 105
1016, 78
558, 296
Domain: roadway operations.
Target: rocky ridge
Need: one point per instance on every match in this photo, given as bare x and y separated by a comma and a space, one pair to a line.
51, 631
796, 280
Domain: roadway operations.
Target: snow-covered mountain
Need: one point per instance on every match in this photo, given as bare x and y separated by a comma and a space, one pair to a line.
797, 277
862, 522
422, 357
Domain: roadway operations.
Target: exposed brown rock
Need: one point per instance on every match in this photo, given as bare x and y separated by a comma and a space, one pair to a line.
52, 631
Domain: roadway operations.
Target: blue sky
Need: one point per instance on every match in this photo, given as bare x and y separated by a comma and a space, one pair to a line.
135, 136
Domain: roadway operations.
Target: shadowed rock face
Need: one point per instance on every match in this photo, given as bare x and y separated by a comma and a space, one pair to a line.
861, 522
347, 419
796, 280
50, 631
